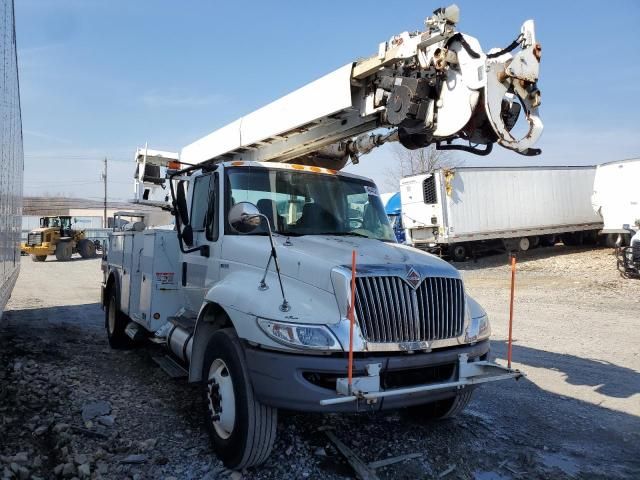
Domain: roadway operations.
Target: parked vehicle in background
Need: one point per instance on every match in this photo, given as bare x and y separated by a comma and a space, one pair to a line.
462, 211
393, 209
616, 199
56, 236
11, 155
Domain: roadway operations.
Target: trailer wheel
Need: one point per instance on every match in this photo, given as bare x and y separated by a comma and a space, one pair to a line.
523, 244
548, 240
115, 322
242, 430
572, 239
458, 252
534, 241
442, 409
38, 258
86, 249
64, 250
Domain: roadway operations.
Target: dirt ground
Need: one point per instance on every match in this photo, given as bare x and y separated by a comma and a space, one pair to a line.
575, 415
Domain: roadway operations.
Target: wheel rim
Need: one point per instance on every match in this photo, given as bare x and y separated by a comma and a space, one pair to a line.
222, 399
524, 244
459, 252
112, 315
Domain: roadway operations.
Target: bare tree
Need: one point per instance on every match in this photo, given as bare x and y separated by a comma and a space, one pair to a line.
413, 162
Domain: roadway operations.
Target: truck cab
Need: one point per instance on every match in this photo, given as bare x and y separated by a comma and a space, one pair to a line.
250, 291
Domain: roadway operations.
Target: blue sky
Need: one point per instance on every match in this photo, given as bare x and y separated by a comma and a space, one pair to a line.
99, 78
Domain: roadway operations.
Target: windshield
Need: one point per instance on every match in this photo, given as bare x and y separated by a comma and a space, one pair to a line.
300, 203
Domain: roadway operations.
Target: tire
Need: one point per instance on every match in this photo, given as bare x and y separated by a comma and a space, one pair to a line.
458, 252
523, 244
548, 240
86, 249
534, 241
38, 258
115, 322
572, 239
64, 250
243, 437
442, 409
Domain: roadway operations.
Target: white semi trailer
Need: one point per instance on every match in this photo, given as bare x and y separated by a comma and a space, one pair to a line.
464, 210
250, 288
616, 198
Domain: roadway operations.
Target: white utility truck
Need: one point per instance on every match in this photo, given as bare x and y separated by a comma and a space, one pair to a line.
250, 287
616, 198
458, 212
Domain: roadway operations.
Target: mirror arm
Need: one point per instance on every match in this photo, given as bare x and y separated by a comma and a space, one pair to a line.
284, 307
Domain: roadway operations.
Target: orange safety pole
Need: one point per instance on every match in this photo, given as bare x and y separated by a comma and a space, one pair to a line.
513, 287
351, 316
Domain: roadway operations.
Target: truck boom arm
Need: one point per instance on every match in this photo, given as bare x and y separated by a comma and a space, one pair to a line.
435, 86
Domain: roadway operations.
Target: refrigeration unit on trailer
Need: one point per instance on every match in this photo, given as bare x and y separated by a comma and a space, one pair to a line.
616, 198
256, 290
466, 209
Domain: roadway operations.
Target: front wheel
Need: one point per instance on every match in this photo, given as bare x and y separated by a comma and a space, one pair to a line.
64, 250
242, 430
38, 258
116, 322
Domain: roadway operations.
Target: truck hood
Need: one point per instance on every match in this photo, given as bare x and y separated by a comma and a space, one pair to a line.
311, 258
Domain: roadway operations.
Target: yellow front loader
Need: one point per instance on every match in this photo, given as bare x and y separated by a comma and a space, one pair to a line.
56, 237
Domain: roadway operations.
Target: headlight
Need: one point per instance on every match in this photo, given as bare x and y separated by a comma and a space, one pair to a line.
317, 337
479, 328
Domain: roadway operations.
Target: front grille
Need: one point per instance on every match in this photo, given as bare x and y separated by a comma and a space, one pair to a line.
429, 189
34, 239
389, 310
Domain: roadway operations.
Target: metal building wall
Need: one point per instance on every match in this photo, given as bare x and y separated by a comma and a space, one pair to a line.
11, 154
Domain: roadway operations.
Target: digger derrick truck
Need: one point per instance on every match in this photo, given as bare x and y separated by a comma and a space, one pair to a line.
250, 287
56, 236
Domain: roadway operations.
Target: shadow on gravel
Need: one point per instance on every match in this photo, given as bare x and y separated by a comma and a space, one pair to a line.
610, 379
502, 258
88, 315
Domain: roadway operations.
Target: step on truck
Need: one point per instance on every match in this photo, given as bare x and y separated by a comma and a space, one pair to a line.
250, 287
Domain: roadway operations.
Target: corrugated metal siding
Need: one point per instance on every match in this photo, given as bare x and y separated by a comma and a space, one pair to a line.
502, 199
11, 154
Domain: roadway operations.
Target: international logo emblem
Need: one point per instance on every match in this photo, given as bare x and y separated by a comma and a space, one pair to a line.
413, 277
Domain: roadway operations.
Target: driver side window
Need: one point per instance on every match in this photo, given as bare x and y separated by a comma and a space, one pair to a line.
204, 217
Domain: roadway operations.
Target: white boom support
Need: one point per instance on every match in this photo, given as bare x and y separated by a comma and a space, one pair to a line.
429, 87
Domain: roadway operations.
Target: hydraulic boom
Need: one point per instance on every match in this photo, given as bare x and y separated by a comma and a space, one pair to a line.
435, 86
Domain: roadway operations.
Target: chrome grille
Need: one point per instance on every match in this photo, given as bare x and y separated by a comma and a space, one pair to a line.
389, 310
34, 239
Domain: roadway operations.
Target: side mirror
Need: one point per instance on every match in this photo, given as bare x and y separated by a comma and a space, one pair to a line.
244, 217
187, 234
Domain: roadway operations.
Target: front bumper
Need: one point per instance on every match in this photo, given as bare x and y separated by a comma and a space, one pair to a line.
37, 250
301, 382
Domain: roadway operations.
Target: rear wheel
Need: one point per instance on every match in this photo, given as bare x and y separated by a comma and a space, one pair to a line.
534, 241
38, 258
64, 250
442, 408
242, 430
548, 240
115, 322
523, 244
458, 252
86, 248
572, 239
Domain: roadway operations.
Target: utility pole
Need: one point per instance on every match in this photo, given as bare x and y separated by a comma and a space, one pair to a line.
104, 178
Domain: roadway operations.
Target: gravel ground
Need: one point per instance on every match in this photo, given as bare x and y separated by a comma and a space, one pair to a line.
70, 407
